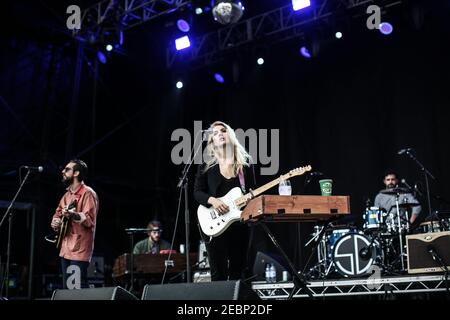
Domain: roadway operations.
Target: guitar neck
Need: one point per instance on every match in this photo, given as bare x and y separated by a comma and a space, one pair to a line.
269, 185
243, 200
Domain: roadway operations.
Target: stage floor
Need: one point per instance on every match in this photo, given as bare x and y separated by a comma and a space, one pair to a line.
353, 287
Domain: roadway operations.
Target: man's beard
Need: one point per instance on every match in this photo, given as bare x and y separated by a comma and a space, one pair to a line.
67, 182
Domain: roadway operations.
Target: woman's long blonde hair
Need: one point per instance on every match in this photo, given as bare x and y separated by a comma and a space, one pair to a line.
241, 158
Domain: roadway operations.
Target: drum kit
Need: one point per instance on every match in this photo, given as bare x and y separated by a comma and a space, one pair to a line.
345, 251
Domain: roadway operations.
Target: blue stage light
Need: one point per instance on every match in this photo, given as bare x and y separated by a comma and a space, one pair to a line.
182, 43
183, 25
219, 78
300, 4
386, 28
305, 52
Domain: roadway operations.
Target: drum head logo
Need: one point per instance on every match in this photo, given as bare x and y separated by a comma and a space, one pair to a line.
349, 257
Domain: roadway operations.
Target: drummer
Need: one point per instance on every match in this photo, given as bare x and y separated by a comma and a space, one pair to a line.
407, 201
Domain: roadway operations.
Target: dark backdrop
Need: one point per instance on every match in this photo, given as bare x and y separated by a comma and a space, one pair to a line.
345, 112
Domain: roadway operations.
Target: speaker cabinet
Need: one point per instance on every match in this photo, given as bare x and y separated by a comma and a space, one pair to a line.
216, 290
107, 293
420, 248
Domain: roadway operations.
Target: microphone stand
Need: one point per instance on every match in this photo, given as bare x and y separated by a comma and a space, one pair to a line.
426, 174
9, 213
183, 183
438, 258
131, 232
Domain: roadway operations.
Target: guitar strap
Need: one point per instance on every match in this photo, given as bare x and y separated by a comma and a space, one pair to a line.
242, 180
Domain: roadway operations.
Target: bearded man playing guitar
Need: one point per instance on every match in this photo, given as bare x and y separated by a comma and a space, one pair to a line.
75, 221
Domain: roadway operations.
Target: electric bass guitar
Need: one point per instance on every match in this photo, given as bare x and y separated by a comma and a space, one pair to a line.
58, 237
213, 223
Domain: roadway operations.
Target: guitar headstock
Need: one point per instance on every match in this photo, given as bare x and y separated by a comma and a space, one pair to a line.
299, 171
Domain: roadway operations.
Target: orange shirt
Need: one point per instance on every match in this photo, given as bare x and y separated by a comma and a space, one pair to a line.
79, 242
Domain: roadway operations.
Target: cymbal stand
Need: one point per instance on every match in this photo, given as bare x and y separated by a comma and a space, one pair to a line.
400, 235
321, 250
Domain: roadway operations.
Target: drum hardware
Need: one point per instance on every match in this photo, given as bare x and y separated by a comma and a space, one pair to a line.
395, 191
345, 250
318, 237
408, 205
320, 247
400, 235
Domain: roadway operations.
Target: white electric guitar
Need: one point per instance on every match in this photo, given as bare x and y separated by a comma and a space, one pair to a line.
213, 223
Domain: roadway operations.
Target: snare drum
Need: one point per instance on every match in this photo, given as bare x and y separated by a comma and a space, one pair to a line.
374, 218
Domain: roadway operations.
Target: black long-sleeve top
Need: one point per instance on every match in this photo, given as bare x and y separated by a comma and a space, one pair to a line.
213, 184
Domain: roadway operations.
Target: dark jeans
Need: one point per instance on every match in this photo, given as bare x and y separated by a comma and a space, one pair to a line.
227, 253
83, 265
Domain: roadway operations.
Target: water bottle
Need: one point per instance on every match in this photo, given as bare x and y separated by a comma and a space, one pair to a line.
284, 188
267, 274
273, 273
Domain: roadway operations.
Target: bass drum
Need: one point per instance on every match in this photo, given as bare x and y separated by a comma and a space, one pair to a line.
354, 254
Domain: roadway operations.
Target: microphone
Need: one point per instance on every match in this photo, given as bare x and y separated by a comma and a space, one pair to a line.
35, 169
402, 151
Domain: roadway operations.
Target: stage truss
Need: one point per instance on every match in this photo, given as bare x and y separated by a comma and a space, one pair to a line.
353, 287
271, 27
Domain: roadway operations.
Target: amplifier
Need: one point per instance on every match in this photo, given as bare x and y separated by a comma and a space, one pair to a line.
426, 249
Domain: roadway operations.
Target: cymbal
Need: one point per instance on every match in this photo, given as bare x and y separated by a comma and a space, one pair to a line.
408, 205
395, 190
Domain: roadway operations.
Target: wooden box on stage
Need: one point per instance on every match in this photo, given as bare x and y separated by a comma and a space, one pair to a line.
418, 247
151, 264
291, 208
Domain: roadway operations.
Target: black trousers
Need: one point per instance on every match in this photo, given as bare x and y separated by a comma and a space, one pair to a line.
227, 253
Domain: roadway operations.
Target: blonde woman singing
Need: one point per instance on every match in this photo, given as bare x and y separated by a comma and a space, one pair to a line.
228, 167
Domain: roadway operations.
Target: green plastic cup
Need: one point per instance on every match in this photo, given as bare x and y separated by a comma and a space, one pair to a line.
326, 187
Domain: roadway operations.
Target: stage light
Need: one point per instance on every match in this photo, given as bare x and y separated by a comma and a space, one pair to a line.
338, 35
260, 61
219, 78
300, 4
182, 43
198, 11
386, 28
179, 85
101, 57
227, 11
112, 38
183, 25
305, 52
